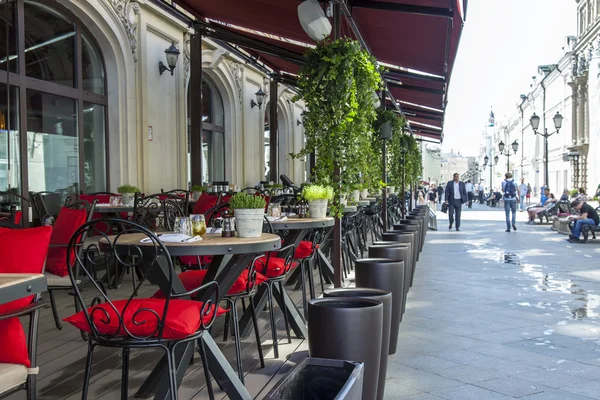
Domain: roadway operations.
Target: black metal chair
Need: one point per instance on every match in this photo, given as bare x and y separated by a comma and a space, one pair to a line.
133, 322
158, 211
17, 377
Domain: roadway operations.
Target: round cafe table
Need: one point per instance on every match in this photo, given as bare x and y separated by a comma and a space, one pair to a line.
230, 257
108, 209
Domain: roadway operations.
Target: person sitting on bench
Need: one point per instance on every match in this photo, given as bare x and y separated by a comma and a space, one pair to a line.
587, 216
533, 211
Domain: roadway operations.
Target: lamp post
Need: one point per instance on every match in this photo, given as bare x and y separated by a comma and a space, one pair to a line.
403, 209
515, 148
486, 160
535, 124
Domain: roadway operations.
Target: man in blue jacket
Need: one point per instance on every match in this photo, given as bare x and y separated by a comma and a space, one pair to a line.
455, 196
510, 194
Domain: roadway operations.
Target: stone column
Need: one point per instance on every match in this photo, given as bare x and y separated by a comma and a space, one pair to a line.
574, 111
586, 111
582, 115
583, 167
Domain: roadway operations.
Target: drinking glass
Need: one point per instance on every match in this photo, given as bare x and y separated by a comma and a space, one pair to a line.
198, 225
177, 225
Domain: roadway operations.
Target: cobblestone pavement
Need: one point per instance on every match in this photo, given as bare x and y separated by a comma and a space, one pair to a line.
496, 315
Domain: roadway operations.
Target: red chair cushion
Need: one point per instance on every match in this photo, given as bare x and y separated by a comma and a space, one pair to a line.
194, 279
67, 222
304, 250
18, 217
275, 266
193, 260
23, 251
13, 345
183, 318
205, 202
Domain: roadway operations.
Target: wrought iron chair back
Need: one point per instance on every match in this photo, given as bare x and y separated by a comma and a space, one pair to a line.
158, 211
150, 258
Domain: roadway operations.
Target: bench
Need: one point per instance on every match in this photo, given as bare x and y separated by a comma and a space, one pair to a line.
561, 225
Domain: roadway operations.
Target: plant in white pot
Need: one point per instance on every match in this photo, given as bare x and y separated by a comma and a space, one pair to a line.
364, 193
249, 214
317, 197
197, 191
127, 193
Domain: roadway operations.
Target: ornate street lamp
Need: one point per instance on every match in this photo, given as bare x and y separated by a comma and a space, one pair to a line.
535, 124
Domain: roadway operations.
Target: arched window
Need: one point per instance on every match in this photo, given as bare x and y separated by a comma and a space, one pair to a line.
213, 133
57, 101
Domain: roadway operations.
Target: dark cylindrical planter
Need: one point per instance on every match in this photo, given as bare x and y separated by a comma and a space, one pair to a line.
414, 228
403, 237
385, 274
386, 298
348, 329
396, 251
417, 223
423, 223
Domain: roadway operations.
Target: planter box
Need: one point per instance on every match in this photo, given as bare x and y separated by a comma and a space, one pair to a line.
249, 222
315, 376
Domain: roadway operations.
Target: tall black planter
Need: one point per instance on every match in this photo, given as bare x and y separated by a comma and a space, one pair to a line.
403, 237
386, 298
385, 274
348, 329
396, 251
416, 223
414, 228
423, 222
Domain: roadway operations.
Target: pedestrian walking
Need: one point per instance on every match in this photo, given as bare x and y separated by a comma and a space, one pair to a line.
432, 196
470, 192
587, 216
522, 194
440, 192
510, 195
480, 191
528, 195
455, 196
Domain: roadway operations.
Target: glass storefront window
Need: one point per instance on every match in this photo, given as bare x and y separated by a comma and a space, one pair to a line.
94, 148
12, 57
9, 140
49, 44
92, 66
52, 143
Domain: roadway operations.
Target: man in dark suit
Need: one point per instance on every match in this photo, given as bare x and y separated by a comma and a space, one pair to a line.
455, 196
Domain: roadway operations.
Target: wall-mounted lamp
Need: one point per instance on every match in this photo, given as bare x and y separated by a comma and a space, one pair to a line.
298, 122
172, 56
260, 97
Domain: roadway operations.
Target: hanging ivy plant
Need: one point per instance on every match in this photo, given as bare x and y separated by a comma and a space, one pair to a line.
411, 166
337, 82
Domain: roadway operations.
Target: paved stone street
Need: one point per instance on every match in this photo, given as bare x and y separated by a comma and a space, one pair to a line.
496, 315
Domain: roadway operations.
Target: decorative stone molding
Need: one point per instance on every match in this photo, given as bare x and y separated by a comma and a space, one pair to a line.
186, 56
128, 11
237, 70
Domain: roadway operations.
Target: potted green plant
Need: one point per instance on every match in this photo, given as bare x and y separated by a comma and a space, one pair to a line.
574, 193
197, 191
275, 188
127, 193
317, 197
249, 213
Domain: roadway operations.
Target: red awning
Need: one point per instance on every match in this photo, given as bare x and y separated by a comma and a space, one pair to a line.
418, 35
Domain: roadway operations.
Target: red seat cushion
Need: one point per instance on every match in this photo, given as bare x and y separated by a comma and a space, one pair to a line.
67, 222
18, 217
194, 279
304, 250
275, 266
23, 251
183, 318
205, 203
13, 345
193, 260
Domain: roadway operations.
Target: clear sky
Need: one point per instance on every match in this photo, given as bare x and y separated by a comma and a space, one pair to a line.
502, 44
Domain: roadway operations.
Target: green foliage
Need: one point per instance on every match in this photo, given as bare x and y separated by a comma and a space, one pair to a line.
317, 192
574, 193
273, 186
412, 167
199, 188
244, 200
128, 189
337, 82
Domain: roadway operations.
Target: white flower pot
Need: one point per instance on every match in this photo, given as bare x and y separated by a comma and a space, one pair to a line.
249, 222
356, 195
318, 208
391, 189
196, 196
344, 199
364, 193
127, 199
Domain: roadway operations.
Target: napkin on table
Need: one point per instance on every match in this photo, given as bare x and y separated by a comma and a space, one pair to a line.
173, 238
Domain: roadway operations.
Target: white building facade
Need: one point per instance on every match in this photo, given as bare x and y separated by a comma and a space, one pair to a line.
89, 107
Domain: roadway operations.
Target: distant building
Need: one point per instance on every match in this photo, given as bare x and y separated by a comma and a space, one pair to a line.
452, 163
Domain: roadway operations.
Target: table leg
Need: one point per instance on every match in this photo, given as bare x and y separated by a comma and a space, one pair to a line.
222, 372
297, 323
326, 266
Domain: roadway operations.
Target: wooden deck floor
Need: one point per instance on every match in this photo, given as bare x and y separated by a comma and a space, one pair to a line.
62, 354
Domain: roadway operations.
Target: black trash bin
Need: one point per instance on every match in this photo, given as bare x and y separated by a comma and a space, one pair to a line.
321, 379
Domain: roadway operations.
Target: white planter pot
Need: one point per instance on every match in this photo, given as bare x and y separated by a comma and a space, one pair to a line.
318, 208
356, 195
127, 199
249, 222
344, 199
391, 189
196, 195
364, 193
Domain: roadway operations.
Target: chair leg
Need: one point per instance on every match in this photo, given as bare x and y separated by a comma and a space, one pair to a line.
237, 339
88, 371
84, 335
285, 315
226, 326
311, 278
125, 375
172, 373
54, 311
261, 357
272, 320
211, 394
321, 279
303, 288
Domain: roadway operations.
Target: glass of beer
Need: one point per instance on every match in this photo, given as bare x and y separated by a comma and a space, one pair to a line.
198, 225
